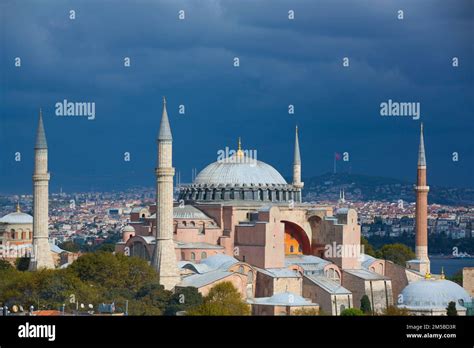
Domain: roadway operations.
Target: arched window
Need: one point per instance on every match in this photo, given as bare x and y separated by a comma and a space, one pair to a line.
203, 255
260, 194
12, 234
143, 215
292, 249
193, 256
241, 269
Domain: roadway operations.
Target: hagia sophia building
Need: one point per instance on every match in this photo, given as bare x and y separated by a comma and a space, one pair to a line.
241, 221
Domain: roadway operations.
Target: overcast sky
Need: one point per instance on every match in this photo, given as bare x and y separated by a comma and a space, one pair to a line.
190, 61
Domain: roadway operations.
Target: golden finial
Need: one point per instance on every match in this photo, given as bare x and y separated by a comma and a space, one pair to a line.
427, 275
18, 210
442, 273
240, 153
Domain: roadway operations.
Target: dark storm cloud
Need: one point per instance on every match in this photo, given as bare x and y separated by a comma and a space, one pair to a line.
282, 62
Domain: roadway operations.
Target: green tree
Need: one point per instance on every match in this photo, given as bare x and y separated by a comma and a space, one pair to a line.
4, 265
106, 247
70, 246
222, 299
368, 249
306, 312
457, 277
398, 253
183, 299
395, 311
351, 312
451, 310
365, 305
120, 274
22, 263
154, 295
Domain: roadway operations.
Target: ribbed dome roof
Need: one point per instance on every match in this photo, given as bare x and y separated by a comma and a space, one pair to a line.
239, 170
17, 218
189, 212
433, 293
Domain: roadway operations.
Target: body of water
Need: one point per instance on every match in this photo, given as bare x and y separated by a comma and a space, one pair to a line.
451, 266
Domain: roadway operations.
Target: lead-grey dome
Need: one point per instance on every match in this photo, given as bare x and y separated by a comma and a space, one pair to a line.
17, 218
432, 294
240, 178
235, 170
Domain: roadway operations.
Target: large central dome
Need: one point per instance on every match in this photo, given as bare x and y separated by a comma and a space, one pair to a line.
240, 177
243, 170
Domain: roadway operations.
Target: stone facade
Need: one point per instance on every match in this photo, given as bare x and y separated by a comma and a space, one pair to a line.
468, 280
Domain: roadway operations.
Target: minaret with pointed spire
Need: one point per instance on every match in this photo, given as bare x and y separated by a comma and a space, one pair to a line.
164, 256
41, 256
297, 184
422, 262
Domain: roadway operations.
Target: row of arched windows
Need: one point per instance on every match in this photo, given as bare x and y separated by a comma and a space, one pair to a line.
237, 194
20, 235
203, 255
292, 249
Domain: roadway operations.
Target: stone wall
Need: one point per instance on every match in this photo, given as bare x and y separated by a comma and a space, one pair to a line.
468, 280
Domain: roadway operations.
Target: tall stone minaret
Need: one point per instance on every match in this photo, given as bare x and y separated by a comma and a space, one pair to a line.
297, 168
422, 262
164, 256
42, 257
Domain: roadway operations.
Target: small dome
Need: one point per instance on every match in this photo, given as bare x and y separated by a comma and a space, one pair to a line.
239, 170
128, 228
433, 293
189, 212
17, 218
219, 261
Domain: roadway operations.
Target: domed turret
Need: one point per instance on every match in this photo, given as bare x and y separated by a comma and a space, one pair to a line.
127, 233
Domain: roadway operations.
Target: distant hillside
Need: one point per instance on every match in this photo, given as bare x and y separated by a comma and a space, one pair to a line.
365, 188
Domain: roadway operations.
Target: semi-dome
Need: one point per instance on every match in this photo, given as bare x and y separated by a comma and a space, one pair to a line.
239, 170
433, 294
189, 212
17, 218
240, 177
